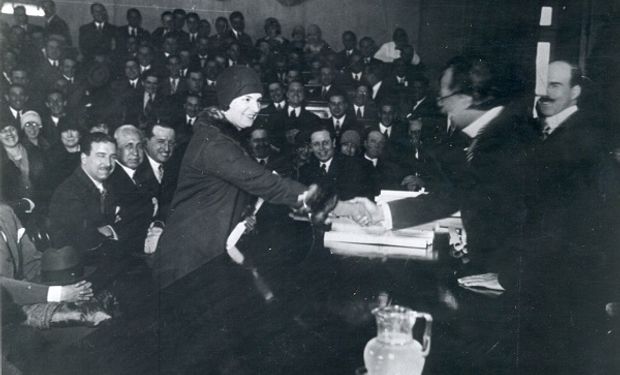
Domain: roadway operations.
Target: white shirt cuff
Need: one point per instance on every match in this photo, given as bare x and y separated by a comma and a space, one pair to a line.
302, 198
53, 293
387, 215
32, 205
114, 235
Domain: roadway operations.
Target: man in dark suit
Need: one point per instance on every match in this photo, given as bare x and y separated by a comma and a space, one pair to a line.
488, 188
340, 120
97, 37
173, 83
380, 91
53, 23
193, 30
363, 108
160, 170
395, 132
384, 174
148, 103
562, 283
421, 103
15, 104
54, 117
83, 212
132, 29
368, 47
349, 43
286, 124
47, 69
343, 175
327, 86
237, 32
276, 95
260, 148
129, 84
166, 28
184, 121
21, 20
138, 204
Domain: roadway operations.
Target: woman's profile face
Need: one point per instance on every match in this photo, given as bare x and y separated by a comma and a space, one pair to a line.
243, 110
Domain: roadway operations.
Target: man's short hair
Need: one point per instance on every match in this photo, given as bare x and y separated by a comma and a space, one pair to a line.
86, 142
148, 132
338, 92
235, 14
476, 77
319, 128
192, 15
134, 10
166, 13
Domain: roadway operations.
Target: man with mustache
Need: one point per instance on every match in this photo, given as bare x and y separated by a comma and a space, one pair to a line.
83, 211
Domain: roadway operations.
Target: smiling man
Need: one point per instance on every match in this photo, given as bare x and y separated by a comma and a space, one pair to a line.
83, 211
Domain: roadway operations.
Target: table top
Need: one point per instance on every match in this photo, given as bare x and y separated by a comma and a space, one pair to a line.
215, 321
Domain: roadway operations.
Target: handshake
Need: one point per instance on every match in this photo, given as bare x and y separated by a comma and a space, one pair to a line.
362, 210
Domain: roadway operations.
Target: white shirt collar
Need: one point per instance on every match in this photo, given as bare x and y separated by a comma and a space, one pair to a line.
130, 172
340, 120
280, 104
143, 68
55, 119
187, 118
383, 129
553, 122
375, 89
372, 160
14, 111
327, 163
154, 166
473, 129
266, 160
297, 111
98, 184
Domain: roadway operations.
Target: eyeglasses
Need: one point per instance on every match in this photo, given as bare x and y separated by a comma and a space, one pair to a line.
31, 125
440, 98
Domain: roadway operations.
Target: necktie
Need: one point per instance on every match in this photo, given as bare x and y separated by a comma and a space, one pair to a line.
358, 112
261, 161
103, 193
132, 84
149, 104
18, 117
546, 130
337, 126
386, 133
173, 88
160, 170
189, 122
55, 63
324, 168
324, 91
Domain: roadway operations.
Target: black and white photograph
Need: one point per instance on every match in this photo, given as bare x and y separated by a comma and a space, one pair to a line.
312, 187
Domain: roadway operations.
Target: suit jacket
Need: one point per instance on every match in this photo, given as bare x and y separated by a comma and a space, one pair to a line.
384, 93
123, 34
427, 108
346, 79
271, 109
45, 74
563, 199
369, 114
217, 181
488, 191
20, 262
164, 191
138, 208
158, 36
386, 175
346, 176
77, 210
279, 123
244, 40
135, 111
57, 25
342, 60
6, 116
397, 142
350, 123
91, 41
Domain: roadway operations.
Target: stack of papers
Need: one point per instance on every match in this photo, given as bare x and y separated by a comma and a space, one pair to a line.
349, 238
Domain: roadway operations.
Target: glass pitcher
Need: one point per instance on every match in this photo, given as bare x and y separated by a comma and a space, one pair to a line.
394, 351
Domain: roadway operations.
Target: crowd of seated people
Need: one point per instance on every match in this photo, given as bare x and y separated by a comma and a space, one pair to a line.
93, 131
